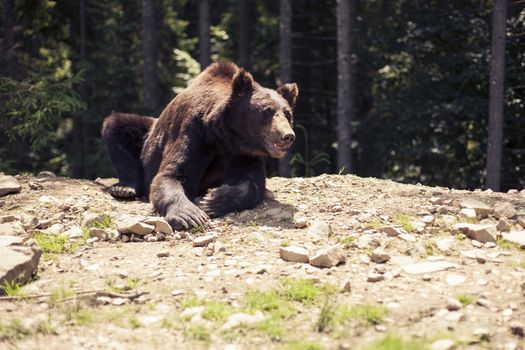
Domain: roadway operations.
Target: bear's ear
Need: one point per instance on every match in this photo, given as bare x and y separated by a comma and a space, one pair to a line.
289, 92
242, 83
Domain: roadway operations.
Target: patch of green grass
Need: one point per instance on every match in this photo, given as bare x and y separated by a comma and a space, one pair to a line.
198, 332
134, 322
55, 244
12, 289
504, 244
191, 302
216, 311
59, 294
404, 221
395, 342
13, 330
326, 316
303, 345
270, 302
374, 224
430, 249
515, 264
465, 299
83, 317
347, 241
198, 229
305, 290
460, 236
366, 314
285, 244
132, 283
102, 223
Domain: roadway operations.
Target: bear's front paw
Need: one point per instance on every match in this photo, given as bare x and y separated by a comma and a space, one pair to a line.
186, 216
219, 201
122, 191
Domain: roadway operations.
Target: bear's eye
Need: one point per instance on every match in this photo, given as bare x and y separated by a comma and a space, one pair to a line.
268, 112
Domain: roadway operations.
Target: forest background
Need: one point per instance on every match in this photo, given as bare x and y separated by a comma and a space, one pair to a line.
409, 78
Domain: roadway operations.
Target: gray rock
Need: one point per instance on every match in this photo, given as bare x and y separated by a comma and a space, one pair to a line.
374, 277
445, 244
505, 210
161, 225
18, 262
300, 222
73, 232
347, 287
517, 237
294, 254
481, 208
329, 257
503, 225
12, 229
443, 344
367, 241
468, 213
453, 304
478, 232
427, 267
9, 184
379, 257
163, 254
392, 231
99, 233
319, 228
203, 241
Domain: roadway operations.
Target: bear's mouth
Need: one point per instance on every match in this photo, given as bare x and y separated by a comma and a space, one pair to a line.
276, 149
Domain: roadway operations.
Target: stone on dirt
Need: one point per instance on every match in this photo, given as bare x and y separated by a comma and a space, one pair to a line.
300, 222
294, 254
391, 230
203, 241
479, 232
481, 208
329, 257
160, 224
505, 210
374, 277
453, 304
443, 344
19, 262
98, 233
12, 229
240, 319
427, 267
517, 237
73, 232
319, 228
9, 184
468, 213
503, 225
379, 256
91, 218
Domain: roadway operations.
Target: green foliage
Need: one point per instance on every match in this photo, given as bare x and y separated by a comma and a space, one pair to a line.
33, 108
394, 342
303, 345
13, 330
307, 162
12, 289
465, 299
404, 221
304, 290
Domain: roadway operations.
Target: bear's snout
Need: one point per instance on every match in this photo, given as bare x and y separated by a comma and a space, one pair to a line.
287, 137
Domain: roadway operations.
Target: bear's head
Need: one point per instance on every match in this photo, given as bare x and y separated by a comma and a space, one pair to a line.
262, 118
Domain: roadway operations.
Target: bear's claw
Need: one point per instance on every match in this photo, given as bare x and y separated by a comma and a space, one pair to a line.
119, 191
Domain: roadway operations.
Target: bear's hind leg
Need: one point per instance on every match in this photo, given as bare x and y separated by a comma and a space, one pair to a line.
124, 137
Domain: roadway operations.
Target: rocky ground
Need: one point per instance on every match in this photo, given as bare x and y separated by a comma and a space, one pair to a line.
330, 262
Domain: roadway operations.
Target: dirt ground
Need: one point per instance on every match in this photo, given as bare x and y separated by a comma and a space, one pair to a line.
172, 295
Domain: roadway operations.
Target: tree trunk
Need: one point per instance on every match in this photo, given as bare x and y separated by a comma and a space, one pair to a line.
497, 95
12, 67
204, 34
245, 21
150, 49
285, 63
79, 127
346, 22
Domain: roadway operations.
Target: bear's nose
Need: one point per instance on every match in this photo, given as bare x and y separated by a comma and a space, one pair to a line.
287, 138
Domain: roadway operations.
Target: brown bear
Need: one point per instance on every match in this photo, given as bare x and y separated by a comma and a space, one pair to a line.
210, 143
